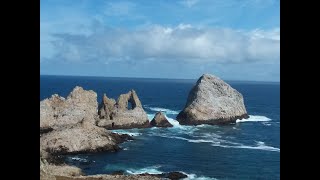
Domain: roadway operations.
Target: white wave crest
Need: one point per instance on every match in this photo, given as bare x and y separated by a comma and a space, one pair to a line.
260, 146
76, 158
150, 170
254, 118
216, 141
194, 176
129, 132
166, 111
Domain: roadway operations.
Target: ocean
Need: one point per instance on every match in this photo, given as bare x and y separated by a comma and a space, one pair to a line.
250, 149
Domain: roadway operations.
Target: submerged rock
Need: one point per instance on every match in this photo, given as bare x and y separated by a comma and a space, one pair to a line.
170, 175
212, 101
160, 120
119, 115
175, 175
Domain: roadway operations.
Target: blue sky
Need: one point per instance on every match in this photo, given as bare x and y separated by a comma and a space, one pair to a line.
233, 39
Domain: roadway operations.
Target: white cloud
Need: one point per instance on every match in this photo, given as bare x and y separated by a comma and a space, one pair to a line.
182, 43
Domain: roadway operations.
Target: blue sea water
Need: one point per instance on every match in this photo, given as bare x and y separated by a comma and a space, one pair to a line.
250, 149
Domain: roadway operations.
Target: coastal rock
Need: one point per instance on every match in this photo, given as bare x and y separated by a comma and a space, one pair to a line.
106, 107
160, 120
56, 112
120, 115
212, 101
49, 171
130, 97
82, 138
170, 175
109, 177
175, 175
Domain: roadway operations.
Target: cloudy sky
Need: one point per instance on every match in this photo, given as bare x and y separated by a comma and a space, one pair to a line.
233, 39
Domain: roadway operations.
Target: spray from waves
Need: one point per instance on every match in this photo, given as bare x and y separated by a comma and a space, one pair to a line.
254, 118
150, 170
129, 132
166, 111
194, 176
76, 158
155, 170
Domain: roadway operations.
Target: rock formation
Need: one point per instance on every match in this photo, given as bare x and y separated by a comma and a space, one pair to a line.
212, 101
57, 111
118, 115
81, 138
68, 126
160, 120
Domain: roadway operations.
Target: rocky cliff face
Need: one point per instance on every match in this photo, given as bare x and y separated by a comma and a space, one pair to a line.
68, 126
57, 112
119, 115
212, 101
81, 138
160, 120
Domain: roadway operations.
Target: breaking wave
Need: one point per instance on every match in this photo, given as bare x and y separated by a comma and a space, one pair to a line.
166, 111
254, 118
150, 170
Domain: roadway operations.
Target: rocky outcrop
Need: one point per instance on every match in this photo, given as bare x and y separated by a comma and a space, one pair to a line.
68, 126
82, 138
57, 112
119, 115
160, 120
109, 177
212, 101
49, 171
106, 107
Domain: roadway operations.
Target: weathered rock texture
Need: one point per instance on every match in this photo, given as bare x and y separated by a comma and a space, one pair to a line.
160, 120
118, 115
57, 111
67, 172
212, 101
69, 126
109, 177
82, 138
49, 171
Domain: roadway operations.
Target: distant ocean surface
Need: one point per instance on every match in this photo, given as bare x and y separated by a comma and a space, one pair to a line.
249, 149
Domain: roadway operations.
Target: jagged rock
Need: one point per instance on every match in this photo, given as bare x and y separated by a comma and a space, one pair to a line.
170, 175
119, 116
49, 171
106, 107
212, 101
82, 138
130, 97
175, 175
160, 120
57, 111
109, 177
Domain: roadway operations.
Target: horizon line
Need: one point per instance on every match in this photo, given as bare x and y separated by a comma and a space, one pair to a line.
152, 78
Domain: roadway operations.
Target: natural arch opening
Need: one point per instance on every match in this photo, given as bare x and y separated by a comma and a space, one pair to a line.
131, 103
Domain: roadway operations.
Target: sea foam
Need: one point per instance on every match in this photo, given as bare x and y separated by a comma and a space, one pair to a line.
166, 111
150, 170
194, 176
128, 131
254, 118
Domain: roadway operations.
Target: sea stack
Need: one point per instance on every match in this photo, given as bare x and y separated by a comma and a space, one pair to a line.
160, 120
67, 126
212, 101
125, 113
